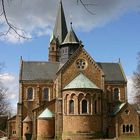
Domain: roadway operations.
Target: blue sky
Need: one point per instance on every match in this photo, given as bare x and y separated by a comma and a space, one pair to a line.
117, 39
107, 36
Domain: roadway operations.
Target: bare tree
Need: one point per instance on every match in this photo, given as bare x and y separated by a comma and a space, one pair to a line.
86, 4
10, 27
136, 80
21, 33
4, 104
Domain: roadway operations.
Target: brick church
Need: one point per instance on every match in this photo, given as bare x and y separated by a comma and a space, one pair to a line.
71, 96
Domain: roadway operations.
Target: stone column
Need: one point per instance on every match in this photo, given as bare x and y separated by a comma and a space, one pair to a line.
76, 105
91, 104
34, 126
116, 125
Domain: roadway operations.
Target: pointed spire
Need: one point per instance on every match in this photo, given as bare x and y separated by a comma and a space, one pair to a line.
60, 29
71, 37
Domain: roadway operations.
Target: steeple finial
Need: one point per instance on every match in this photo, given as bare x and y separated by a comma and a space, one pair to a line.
71, 24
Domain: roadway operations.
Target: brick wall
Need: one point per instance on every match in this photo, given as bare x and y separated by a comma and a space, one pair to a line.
128, 119
46, 128
92, 71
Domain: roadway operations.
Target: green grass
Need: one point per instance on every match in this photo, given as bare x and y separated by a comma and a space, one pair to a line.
129, 138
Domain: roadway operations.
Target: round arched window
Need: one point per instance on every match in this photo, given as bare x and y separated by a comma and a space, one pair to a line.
71, 107
45, 94
116, 94
84, 106
30, 93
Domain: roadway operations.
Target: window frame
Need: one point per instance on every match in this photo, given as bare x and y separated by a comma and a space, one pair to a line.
81, 64
82, 107
127, 128
71, 112
48, 94
29, 99
114, 97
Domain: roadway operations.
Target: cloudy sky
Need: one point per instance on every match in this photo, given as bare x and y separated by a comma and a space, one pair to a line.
112, 32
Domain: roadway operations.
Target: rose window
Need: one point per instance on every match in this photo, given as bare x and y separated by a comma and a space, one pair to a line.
81, 64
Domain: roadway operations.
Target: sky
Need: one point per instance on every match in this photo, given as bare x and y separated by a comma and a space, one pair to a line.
112, 32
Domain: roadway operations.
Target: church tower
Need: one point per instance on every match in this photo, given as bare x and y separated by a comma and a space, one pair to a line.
59, 34
68, 46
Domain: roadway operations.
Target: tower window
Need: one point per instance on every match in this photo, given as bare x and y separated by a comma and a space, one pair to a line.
66, 50
46, 94
52, 48
30, 93
84, 106
71, 107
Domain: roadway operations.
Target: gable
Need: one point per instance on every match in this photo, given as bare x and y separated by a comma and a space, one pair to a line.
90, 69
117, 108
120, 109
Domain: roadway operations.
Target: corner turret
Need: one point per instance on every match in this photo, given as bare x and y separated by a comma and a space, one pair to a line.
58, 36
70, 44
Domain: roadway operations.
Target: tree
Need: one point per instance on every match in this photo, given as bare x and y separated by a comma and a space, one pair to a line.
4, 104
136, 80
20, 33
10, 27
87, 4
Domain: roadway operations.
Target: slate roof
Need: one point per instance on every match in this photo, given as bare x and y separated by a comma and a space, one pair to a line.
60, 29
46, 114
113, 72
38, 70
117, 108
71, 37
81, 81
27, 119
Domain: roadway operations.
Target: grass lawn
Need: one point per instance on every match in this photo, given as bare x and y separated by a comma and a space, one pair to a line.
129, 138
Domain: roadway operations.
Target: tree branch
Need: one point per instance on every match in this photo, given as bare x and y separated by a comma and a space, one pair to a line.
11, 27
85, 6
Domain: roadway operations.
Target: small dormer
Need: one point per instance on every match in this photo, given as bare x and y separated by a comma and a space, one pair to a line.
68, 46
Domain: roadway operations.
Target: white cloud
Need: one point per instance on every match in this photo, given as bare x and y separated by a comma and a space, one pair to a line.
6, 77
38, 16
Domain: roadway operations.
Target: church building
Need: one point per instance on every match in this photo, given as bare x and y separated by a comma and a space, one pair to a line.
71, 96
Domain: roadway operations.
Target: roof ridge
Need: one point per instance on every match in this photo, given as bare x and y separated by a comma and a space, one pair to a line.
109, 62
122, 71
38, 61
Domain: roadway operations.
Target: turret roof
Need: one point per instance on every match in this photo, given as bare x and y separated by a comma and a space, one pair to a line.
27, 119
46, 114
81, 81
71, 37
